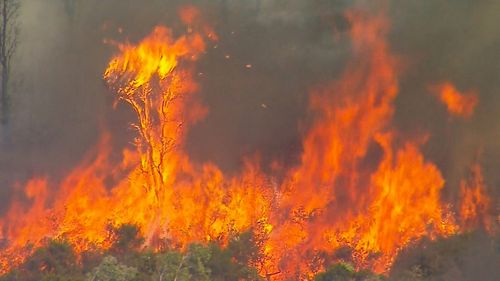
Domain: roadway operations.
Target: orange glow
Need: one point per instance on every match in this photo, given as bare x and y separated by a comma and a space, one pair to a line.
156, 186
333, 198
358, 184
189, 14
476, 205
458, 103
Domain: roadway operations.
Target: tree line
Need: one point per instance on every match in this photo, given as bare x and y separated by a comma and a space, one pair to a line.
126, 260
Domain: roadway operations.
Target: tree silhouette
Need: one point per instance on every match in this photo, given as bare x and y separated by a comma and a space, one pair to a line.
9, 12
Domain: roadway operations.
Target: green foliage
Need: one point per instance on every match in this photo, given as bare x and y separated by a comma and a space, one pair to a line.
126, 238
171, 266
346, 272
209, 262
468, 256
58, 277
90, 259
232, 262
197, 260
338, 272
111, 270
244, 248
49, 263
124, 262
452, 258
146, 264
56, 257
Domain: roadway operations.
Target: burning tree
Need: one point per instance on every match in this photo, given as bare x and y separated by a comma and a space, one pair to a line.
330, 200
146, 80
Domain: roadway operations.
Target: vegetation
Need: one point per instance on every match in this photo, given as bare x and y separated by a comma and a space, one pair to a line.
471, 256
346, 272
125, 261
468, 256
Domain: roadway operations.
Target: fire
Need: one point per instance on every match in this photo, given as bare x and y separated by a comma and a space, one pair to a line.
155, 187
458, 103
334, 198
476, 205
358, 185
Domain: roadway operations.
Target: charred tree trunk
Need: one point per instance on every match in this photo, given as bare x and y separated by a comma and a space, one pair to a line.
8, 43
3, 63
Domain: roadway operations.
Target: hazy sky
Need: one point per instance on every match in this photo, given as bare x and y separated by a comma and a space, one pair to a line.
61, 104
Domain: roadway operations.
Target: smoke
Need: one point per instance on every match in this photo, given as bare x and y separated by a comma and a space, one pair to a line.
452, 41
255, 80
60, 103
472, 256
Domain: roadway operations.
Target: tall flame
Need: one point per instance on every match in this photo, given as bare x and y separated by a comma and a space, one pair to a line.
475, 207
339, 195
155, 187
356, 186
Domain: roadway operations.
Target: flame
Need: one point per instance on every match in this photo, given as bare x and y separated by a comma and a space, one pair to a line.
476, 205
458, 103
332, 198
356, 185
155, 187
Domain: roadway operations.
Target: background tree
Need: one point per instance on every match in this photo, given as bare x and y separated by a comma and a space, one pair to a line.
8, 42
468, 256
233, 262
54, 261
111, 270
346, 272
197, 260
126, 260
171, 266
126, 238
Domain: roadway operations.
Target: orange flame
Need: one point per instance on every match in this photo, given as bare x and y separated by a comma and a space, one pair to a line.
458, 103
354, 187
476, 205
156, 186
334, 198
